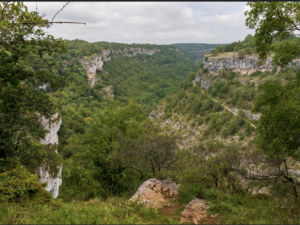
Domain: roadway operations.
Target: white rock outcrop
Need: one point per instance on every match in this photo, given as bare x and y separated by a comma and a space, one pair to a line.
244, 66
51, 137
95, 62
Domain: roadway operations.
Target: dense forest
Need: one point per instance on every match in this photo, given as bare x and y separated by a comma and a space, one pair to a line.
195, 51
129, 76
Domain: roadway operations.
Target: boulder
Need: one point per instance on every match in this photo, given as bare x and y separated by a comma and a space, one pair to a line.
155, 192
194, 211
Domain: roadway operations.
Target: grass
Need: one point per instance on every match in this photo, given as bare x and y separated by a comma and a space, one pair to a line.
241, 210
112, 211
244, 208
231, 209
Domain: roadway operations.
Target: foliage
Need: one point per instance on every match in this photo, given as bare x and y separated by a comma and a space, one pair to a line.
241, 54
119, 150
27, 60
275, 24
150, 77
278, 129
247, 44
18, 185
194, 51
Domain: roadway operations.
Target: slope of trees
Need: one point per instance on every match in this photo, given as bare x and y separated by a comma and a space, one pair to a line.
194, 51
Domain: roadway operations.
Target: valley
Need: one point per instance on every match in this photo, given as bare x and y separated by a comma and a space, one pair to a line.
115, 133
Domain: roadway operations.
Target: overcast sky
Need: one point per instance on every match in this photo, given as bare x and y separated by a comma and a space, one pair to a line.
148, 22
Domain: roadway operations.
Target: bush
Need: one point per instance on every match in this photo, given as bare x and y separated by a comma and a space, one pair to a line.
217, 107
256, 73
232, 128
201, 65
248, 50
18, 185
205, 70
224, 133
188, 193
241, 54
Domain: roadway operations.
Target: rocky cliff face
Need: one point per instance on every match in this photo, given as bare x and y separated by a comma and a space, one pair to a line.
244, 66
94, 63
51, 137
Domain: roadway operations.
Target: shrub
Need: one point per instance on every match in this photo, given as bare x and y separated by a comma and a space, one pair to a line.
188, 193
232, 128
256, 73
224, 133
217, 107
201, 65
241, 54
248, 50
18, 185
205, 70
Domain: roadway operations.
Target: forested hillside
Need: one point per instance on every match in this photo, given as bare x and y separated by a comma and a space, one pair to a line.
145, 78
195, 51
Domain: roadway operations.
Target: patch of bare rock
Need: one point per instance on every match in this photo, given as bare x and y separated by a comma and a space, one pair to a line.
155, 192
196, 211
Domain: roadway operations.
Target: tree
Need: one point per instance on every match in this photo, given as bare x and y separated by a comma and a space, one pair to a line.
26, 61
241, 54
271, 21
278, 129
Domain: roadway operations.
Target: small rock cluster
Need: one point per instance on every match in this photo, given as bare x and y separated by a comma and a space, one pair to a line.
156, 193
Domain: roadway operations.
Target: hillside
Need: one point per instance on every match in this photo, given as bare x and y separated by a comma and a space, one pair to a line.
211, 111
195, 51
124, 77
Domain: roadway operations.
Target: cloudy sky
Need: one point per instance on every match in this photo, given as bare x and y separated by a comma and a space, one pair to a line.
148, 22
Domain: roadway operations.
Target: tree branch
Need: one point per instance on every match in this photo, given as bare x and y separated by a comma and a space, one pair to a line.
59, 11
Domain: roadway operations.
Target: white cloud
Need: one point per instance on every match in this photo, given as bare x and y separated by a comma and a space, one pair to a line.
148, 22
187, 13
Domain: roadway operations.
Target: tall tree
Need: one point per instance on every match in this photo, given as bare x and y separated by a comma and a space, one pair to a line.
26, 61
278, 134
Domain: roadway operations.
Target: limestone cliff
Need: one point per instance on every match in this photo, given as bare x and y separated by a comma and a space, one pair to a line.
244, 66
95, 62
51, 137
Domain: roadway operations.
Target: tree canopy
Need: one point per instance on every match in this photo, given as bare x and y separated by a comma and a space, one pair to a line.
26, 61
275, 24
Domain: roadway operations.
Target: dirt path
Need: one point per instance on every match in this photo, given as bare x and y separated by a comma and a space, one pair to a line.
230, 110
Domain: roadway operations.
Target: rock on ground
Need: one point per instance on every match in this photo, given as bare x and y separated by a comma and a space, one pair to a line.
194, 211
155, 192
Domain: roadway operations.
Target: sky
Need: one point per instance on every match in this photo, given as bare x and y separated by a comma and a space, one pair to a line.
148, 22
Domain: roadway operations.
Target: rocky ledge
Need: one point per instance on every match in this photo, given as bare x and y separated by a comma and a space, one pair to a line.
244, 66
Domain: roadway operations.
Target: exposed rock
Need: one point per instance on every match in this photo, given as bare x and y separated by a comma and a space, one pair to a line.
244, 66
107, 92
94, 63
44, 86
249, 114
194, 211
155, 192
51, 137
